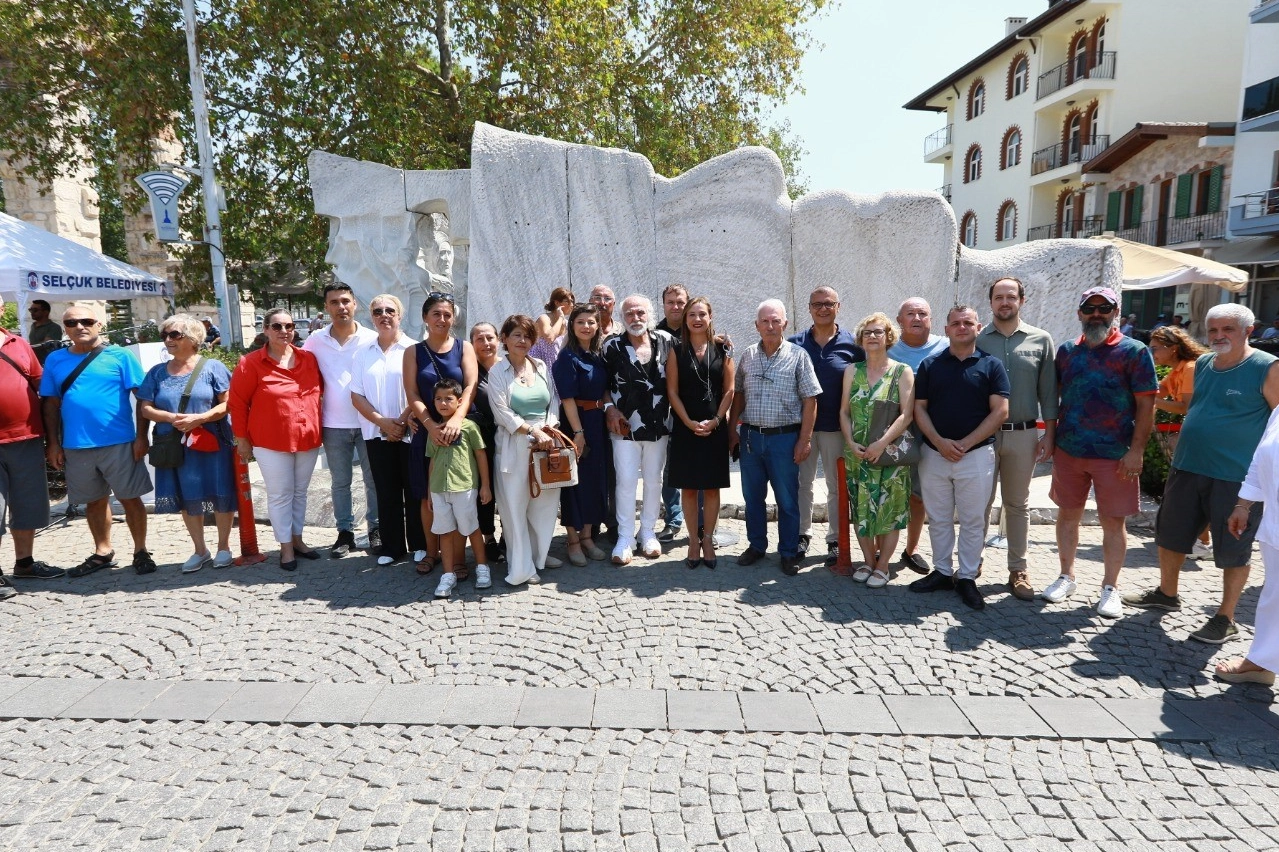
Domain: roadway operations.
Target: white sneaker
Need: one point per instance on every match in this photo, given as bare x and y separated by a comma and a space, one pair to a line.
1201, 550
552, 562
1110, 605
622, 554
385, 560
447, 583
195, 562
535, 579
224, 559
419, 555
652, 549
483, 579
1058, 590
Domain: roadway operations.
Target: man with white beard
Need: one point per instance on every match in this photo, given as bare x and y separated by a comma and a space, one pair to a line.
1107, 386
638, 416
1236, 387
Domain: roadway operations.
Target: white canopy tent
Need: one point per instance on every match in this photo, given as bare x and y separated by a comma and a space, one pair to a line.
37, 264
1147, 267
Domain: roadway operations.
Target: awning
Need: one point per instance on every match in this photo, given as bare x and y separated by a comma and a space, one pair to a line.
1247, 251
1148, 267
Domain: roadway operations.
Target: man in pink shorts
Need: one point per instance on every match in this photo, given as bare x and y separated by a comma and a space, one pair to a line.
1107, 385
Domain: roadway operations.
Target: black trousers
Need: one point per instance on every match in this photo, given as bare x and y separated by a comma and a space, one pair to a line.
399, 512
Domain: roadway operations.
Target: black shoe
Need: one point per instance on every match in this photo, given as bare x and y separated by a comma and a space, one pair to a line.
670, 532
749, 557
143, 563
832, 552
804, 542
934, 582
38, 571
344, 545
291, 565
6, 588
915, 562
968, 593
306, 554
790, 565
492, 551
375, 541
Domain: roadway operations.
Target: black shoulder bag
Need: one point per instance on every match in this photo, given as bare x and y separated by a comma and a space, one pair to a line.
166, 450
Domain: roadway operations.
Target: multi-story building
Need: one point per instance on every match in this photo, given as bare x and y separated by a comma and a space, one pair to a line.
1023, 118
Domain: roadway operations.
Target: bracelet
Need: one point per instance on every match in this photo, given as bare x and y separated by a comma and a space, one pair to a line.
1243, 505
579, 432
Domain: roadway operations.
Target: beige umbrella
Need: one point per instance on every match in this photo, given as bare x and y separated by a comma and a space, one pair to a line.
1148, 267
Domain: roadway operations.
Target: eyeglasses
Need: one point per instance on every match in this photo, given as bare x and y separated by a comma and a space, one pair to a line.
1089, 310
281, 326
88, 322
173, 335
823, 306
873, 332
383, 312
436, 296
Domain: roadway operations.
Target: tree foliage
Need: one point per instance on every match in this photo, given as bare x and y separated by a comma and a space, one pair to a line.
396, 81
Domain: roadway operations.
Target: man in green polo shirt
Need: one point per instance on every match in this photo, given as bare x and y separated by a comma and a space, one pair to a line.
1027, 354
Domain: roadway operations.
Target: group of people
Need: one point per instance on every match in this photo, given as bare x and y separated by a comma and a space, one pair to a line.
443, 429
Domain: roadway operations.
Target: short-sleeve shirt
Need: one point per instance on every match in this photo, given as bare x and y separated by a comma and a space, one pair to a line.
1099, 387
639, 390
453, 467
42, 333
337, 365
97, 410
829, 362
20, 418
164, 391
958, 392
775, 386
913, 356
1180, 380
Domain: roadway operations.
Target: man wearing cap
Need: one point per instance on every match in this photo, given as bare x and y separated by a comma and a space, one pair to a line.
1027, 354
1107, 387
1236, 387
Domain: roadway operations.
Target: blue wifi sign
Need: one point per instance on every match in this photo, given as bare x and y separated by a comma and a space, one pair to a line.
164, 189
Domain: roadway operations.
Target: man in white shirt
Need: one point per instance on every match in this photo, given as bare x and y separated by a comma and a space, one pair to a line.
334, 346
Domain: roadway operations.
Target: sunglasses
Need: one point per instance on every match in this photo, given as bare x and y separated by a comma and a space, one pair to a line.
83, 323
173, 335
1089, 310
281, 326
383, 312
435, 296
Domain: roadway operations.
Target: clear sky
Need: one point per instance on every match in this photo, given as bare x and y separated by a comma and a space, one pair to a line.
876, 55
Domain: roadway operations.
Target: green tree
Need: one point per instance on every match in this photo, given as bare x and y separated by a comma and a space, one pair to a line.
396, 81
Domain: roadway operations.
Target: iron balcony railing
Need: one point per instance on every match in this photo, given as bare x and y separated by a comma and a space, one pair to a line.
945, 192
1090, 66
1063, 154
1088, 226
1173, 231
937, 140
1255, 204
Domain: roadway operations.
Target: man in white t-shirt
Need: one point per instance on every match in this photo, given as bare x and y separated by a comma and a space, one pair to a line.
334, 346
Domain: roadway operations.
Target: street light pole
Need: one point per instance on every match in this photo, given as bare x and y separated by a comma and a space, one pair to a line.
228, 299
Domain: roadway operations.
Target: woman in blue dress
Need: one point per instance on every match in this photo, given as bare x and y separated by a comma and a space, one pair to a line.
205, 482
581, 381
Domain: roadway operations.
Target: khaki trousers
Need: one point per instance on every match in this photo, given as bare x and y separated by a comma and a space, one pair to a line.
1014, 468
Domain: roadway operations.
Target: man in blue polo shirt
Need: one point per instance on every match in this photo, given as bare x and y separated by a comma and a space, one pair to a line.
961, 399
831, 349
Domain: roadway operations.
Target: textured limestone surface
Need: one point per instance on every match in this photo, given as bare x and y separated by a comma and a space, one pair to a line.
611, 235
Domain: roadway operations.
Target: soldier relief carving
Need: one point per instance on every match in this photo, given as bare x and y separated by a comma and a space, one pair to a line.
435, 261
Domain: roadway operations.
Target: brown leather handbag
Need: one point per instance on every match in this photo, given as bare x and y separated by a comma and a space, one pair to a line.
553, 468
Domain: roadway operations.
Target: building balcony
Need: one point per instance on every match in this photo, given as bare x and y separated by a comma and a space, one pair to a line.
1261, 106
1258, 216
1088, 226
1062, 155
1189, 232
945, 192
1266, 12
938, 145
1093, 66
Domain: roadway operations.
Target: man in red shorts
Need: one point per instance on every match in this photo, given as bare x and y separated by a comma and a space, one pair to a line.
1107, 386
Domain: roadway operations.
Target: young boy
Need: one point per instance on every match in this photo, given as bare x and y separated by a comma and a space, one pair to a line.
456, 470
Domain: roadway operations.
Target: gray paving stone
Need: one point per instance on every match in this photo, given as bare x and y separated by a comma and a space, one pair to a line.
115, 699
1268, 713
335, 703
854, 714
1226, 719
45, 697
1153, 719
1001, 716
261, 702
928, 715
644, 709
778, 711
14, 685
1079, 718
482, 705
408, 704
703, 710
556, 707
195, 701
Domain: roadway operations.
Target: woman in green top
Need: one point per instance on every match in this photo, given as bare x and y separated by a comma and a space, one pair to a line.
879, 496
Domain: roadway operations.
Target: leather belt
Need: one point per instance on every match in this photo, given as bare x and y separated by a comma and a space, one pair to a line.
1019, 427
589, 404
773, 430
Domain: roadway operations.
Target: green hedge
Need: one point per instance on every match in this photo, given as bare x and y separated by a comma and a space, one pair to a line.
1154, 471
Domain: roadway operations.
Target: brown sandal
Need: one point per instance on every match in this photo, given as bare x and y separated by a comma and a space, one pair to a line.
461, 572
426, 565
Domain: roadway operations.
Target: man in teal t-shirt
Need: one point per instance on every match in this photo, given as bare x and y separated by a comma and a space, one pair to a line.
1236, 387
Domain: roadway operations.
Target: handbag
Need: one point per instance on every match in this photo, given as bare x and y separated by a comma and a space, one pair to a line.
167, 452
553, 468
883, 413
202, 441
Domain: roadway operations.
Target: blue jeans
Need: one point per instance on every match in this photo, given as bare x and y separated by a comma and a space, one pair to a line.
674, 509
770, 460
340, 449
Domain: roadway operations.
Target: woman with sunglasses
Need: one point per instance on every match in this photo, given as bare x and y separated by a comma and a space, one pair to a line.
552, 326
275, 415
439, 356
206, 480
377, 392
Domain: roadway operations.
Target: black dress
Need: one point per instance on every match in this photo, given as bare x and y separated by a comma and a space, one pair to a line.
699, 462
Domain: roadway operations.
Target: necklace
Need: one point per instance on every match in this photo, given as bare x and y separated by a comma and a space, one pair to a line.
704, 379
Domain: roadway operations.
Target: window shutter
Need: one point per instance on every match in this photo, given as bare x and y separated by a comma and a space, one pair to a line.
1134, 214
1114, 202
1214, 188
1185, 185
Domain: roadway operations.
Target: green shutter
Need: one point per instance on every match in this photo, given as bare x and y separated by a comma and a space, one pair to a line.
1185, 186
1214, 188
1134, 214
1114, 201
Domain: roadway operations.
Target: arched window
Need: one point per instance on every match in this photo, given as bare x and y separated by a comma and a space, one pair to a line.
1006, 226
972, 164
1020, 76
1010, 154
968, 229
1078, 57
976, 99
1074, 138
1099, 39
1094, 121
